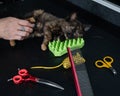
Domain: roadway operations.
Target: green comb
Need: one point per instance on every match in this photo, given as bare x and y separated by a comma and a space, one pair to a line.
59, 48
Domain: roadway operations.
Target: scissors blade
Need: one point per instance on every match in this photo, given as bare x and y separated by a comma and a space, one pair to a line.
49, 83
113, 70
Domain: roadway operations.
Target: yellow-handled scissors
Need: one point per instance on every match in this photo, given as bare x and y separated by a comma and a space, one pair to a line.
106, 62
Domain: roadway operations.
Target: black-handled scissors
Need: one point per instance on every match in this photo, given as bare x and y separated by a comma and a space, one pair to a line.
24, 76
106, 62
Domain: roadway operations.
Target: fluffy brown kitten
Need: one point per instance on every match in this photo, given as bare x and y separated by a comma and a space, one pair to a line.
53, 28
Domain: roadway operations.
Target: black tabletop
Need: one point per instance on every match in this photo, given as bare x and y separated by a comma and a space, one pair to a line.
101, 40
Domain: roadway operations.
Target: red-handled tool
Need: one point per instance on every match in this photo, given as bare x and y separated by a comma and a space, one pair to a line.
24, 76
77, 85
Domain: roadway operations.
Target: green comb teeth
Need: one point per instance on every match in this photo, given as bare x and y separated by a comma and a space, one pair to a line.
59, 48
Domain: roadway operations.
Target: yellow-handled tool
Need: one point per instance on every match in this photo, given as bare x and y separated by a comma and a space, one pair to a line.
106, 62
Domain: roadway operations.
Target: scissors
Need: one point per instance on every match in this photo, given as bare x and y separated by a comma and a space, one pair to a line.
24, 76
106, 62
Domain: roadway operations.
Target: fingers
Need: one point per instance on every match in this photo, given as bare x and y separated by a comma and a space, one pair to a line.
25, 29
17, 38
22, 34
25, 23
28, 29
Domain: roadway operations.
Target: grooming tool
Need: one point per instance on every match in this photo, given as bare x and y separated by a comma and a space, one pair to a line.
78, 59
24, 76
77, 85
59, 48
106, 63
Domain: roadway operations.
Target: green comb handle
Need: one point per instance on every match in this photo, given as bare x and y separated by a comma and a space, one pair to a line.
59, 48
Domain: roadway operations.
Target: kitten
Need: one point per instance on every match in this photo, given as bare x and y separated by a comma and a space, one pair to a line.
53, 28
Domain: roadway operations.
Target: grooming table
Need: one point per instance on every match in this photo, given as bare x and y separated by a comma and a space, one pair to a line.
101, 40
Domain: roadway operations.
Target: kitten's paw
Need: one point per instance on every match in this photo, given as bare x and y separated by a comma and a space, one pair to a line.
31, 20
12, 43
43, 47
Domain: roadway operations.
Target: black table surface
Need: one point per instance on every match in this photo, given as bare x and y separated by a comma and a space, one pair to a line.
101, 40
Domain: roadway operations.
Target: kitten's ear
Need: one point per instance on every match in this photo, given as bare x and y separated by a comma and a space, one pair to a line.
38, 12
28, 15
73, 16
87, 27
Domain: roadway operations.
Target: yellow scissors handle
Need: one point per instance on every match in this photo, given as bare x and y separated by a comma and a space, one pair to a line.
101, 64
106, 62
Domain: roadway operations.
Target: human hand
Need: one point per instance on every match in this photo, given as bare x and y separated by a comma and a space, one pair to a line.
15, 29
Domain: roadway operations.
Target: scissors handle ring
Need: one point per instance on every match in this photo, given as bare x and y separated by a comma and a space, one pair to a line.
101, 64
108, 60
23, 72
17, 79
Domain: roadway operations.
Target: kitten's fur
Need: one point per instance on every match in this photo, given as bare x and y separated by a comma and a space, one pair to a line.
52, 27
